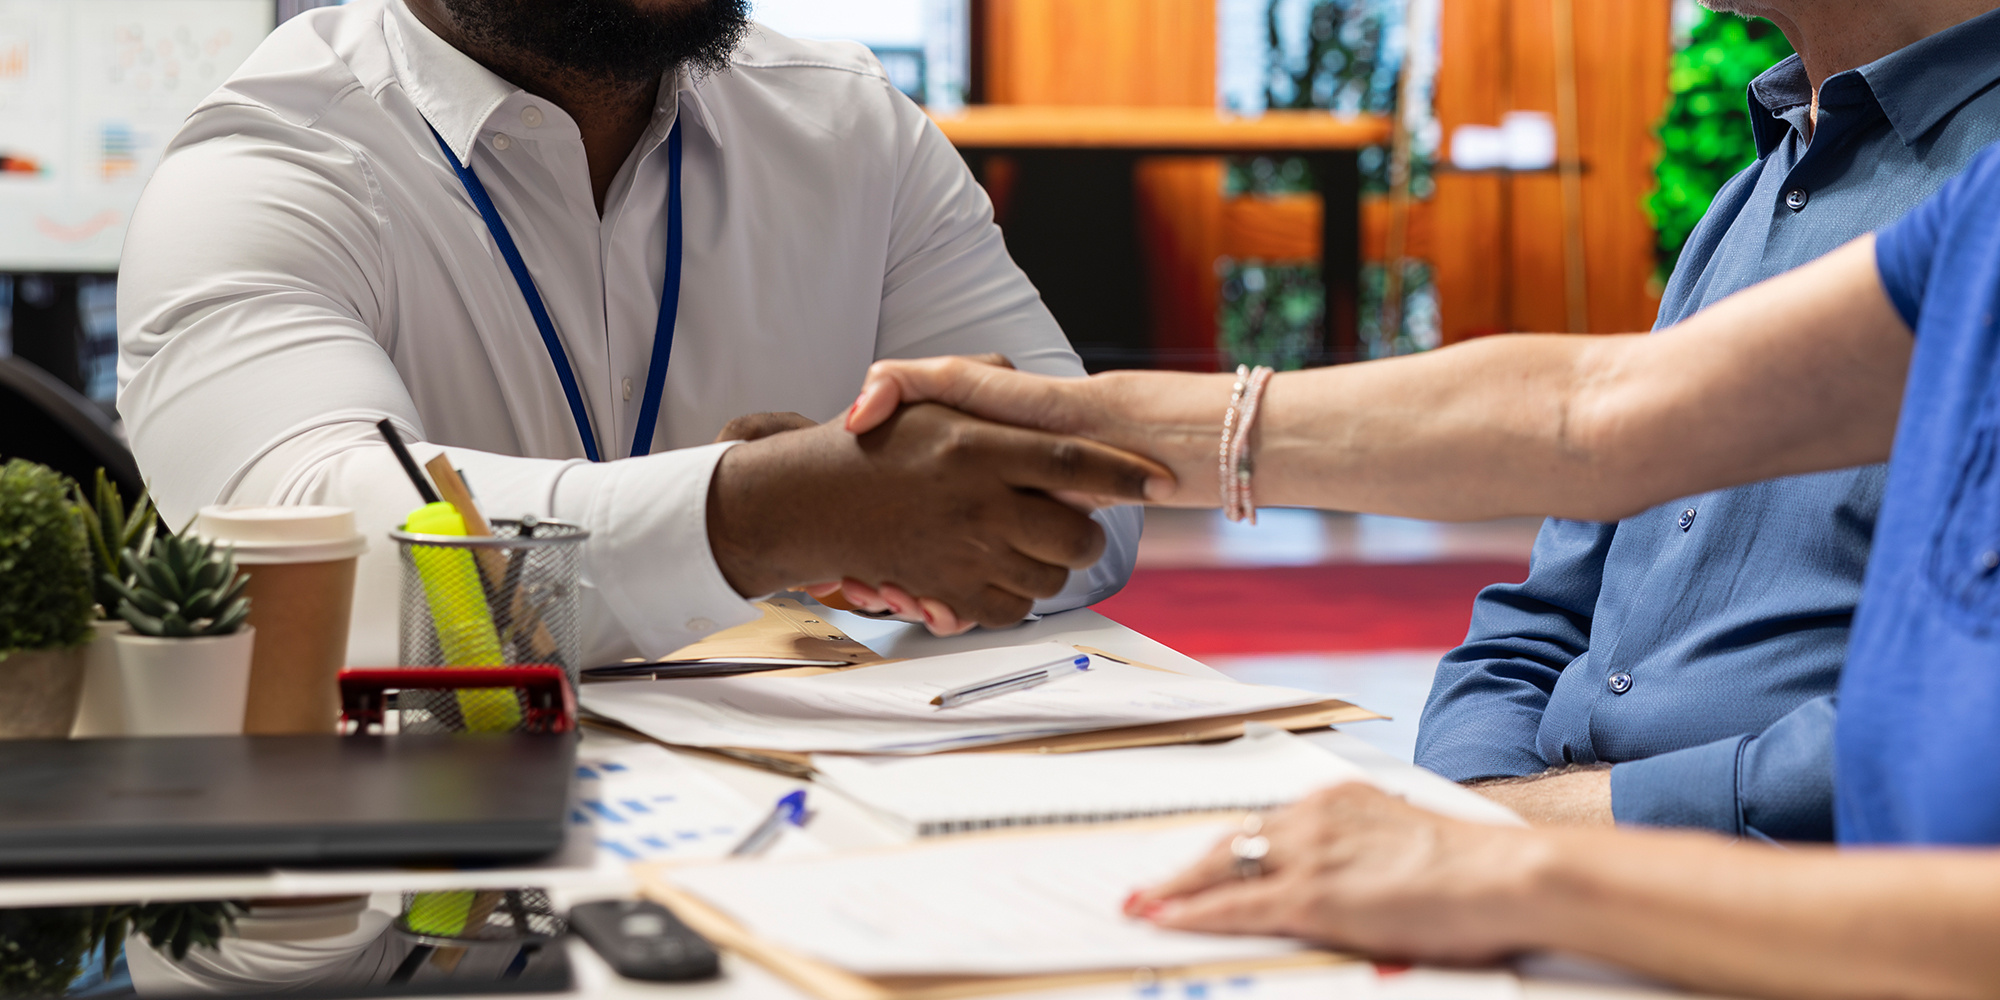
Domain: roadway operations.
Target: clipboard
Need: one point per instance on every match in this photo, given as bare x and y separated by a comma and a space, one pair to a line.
830, 982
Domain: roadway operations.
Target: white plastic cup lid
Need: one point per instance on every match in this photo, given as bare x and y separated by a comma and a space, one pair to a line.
272, 535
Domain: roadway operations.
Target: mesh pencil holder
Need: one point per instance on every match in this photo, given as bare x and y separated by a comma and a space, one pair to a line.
508, 600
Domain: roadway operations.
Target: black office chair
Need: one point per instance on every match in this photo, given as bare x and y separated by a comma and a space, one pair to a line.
43, 420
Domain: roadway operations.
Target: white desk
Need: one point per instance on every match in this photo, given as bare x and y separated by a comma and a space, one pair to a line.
837, 823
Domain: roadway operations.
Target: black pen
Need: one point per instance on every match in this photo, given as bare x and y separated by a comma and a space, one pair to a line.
417, 478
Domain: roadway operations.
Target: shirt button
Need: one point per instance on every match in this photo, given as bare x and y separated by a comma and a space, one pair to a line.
1687, 519
1620, 682
1990, 560
1796, 199
700, 625
502, 142
628, 390
531, 116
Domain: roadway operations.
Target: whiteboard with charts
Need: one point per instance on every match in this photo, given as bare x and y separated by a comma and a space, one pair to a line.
91, 91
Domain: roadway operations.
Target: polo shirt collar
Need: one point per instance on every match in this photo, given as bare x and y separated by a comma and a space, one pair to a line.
1915, 87
461, 98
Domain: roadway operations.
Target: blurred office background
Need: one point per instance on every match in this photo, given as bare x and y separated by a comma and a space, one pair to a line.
1191, 183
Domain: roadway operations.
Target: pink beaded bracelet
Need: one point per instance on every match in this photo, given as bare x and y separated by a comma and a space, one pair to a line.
1236, 462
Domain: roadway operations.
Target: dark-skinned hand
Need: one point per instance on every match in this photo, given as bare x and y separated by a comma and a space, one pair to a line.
756, 426
948, 506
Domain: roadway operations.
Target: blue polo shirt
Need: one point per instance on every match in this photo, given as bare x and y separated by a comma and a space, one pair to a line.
1917, 748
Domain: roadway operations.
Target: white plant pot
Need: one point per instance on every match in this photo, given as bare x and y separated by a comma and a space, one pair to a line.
185, 687
102, 712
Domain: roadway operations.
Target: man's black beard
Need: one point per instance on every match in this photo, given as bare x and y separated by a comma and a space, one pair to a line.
608, 39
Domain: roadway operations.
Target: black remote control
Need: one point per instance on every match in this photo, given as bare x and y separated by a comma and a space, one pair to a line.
644, 940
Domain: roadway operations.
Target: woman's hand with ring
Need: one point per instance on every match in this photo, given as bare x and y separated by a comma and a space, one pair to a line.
1354, 868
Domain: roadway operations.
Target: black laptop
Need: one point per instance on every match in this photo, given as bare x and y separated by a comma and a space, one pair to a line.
262, 801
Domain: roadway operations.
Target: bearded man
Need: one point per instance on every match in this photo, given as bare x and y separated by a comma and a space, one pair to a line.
570, 243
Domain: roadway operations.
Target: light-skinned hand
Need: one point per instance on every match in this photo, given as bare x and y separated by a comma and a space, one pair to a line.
1355, 869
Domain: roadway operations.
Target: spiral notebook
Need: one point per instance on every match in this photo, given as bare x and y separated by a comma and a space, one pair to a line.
958, 793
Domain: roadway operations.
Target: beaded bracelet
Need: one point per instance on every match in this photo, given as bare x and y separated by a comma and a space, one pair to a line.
1236, 462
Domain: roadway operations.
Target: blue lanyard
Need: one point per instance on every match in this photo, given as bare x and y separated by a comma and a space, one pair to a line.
670, 300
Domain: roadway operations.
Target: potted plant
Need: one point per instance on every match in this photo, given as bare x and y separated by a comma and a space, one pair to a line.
44, 951
110, 533
184, 663
45, 603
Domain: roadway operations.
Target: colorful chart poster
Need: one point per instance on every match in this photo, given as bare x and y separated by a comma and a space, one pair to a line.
91, 91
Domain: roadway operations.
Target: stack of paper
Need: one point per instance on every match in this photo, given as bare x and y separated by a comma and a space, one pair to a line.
887, 709
957, 792
976, 906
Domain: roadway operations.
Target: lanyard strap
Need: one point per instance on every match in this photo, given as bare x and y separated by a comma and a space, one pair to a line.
670, 300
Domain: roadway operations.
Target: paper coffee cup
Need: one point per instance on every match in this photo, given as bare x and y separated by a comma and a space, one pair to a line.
301, 562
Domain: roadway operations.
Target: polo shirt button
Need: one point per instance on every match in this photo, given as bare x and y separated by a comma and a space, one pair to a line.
531, 116
1796, 199
1620, 682
1687, 519
700, 625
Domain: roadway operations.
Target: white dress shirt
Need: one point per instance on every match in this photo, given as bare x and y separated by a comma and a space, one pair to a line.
306, 263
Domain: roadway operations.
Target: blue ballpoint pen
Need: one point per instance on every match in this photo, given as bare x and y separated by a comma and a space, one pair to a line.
790, 810
1017, 681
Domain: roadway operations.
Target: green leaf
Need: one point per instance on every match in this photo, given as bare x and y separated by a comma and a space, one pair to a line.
231, 618
141, 622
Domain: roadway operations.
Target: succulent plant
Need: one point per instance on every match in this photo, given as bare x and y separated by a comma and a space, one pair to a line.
44, 573
111, 533
184, 588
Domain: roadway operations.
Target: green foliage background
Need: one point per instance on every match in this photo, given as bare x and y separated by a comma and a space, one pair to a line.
1706, 135
45, 592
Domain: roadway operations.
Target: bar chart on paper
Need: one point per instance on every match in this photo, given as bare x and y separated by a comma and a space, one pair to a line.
91, 92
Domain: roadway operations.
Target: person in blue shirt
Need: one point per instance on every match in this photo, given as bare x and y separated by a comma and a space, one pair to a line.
1696, 645
1813, 370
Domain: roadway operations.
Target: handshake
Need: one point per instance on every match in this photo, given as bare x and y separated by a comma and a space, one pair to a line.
956, 492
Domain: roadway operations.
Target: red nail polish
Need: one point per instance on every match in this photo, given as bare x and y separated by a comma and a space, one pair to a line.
1130, 901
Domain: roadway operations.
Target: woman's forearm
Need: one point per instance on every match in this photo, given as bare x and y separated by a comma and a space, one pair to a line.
1477, 431
1799, 374
1804, 922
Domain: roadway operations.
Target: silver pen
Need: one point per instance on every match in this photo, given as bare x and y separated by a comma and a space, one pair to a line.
790, 810
1018, 681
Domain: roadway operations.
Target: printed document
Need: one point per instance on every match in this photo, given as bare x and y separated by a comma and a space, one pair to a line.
887, 709
985, 905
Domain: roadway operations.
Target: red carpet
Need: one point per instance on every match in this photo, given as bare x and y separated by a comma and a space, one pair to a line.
1307, 609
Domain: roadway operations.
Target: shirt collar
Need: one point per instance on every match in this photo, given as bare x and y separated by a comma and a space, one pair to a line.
1920, 84
1774, 92
1915, 87
461, 98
